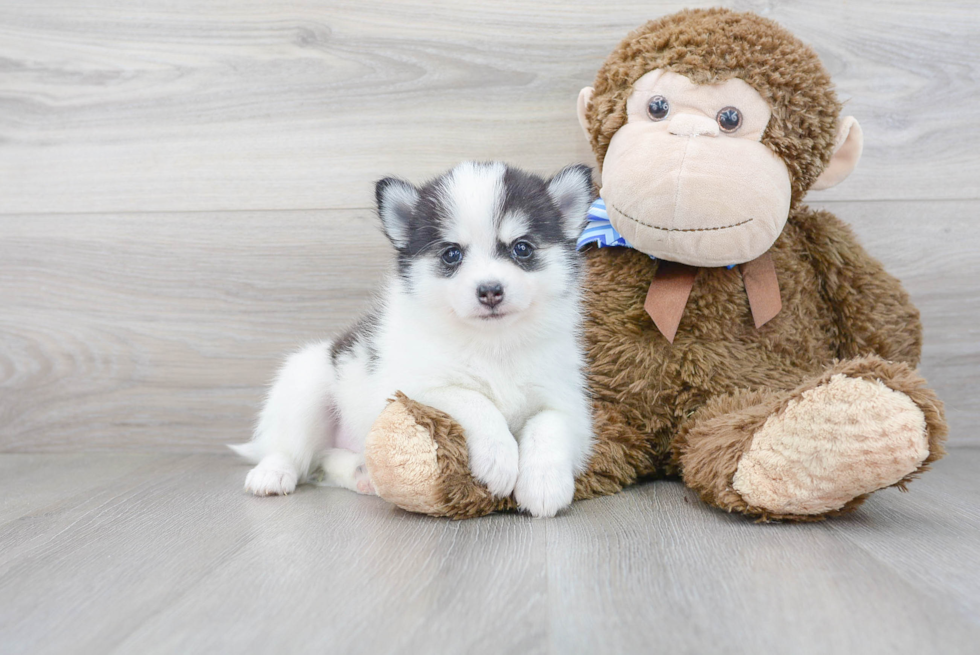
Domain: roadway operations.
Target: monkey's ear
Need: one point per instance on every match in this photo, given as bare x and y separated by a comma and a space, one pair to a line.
396, 202
571, 190
847, 151
584, 100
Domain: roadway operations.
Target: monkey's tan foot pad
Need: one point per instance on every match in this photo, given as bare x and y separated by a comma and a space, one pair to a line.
417, 459
838, 441
401, 460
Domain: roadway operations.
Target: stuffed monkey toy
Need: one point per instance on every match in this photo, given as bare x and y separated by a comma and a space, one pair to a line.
736, 338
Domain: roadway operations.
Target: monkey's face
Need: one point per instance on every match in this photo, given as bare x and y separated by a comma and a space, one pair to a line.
687, 178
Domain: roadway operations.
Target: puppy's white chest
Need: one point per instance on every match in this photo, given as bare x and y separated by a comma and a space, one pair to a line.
510, 388
517, 402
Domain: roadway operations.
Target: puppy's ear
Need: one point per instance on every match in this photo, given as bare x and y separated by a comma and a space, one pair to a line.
572, 191
396, 202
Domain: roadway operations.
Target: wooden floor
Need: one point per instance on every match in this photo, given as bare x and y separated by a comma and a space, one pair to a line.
159, 553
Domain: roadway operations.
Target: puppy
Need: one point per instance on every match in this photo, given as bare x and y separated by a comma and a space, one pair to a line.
482, 321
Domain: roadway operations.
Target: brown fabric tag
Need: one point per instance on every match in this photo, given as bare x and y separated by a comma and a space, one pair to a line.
762, 288
668, 294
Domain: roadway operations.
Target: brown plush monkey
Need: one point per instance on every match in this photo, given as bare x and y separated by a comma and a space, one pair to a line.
744, 342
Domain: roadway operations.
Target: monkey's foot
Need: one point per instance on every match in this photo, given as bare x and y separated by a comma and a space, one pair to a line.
838, 441
818, 450
418, 460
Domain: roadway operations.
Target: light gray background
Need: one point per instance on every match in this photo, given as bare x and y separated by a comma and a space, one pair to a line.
186, 188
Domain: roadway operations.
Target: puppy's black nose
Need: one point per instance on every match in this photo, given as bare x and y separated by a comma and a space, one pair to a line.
491, 294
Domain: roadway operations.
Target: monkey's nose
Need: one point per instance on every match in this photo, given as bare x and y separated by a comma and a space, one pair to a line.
490, 294
691, 125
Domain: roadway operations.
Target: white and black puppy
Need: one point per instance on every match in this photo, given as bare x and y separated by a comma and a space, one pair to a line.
482, 321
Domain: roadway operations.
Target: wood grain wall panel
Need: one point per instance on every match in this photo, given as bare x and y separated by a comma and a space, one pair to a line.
160, 331
245, 104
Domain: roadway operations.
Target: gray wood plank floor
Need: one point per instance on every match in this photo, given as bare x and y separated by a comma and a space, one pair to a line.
156, 553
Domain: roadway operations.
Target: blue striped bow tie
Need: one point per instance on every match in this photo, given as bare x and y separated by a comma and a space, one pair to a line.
599, 230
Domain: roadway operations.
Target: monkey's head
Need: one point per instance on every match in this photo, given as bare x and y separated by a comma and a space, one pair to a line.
708, 126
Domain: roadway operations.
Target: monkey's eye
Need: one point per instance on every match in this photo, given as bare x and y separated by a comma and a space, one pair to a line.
658, 107
729, 119
452, 255
522, 250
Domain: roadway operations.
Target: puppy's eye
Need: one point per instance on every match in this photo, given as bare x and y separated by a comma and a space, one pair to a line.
452, 255
729, 119
523, 250
658, 108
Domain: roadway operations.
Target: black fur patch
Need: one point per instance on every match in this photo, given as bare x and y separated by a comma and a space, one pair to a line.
360, 332
528, 195
426, 228
506, 251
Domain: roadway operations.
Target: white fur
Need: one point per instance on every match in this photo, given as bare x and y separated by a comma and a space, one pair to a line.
515, 383
513, 226
563, 187
401, 198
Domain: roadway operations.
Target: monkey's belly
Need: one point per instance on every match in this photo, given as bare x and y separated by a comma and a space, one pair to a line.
717, 349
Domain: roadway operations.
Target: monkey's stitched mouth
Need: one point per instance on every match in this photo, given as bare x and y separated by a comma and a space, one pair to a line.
680, 229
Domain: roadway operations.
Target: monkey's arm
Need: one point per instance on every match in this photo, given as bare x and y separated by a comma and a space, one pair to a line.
872, 310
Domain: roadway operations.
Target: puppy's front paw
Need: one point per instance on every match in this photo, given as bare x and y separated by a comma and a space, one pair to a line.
543, 490
494, 463
274, 476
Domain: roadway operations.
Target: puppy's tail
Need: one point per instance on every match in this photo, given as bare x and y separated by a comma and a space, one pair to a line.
249, 451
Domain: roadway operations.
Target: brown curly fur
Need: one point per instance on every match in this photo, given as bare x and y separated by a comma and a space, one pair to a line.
708, 449
723, 377
837, 302
691, 408
460, 496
